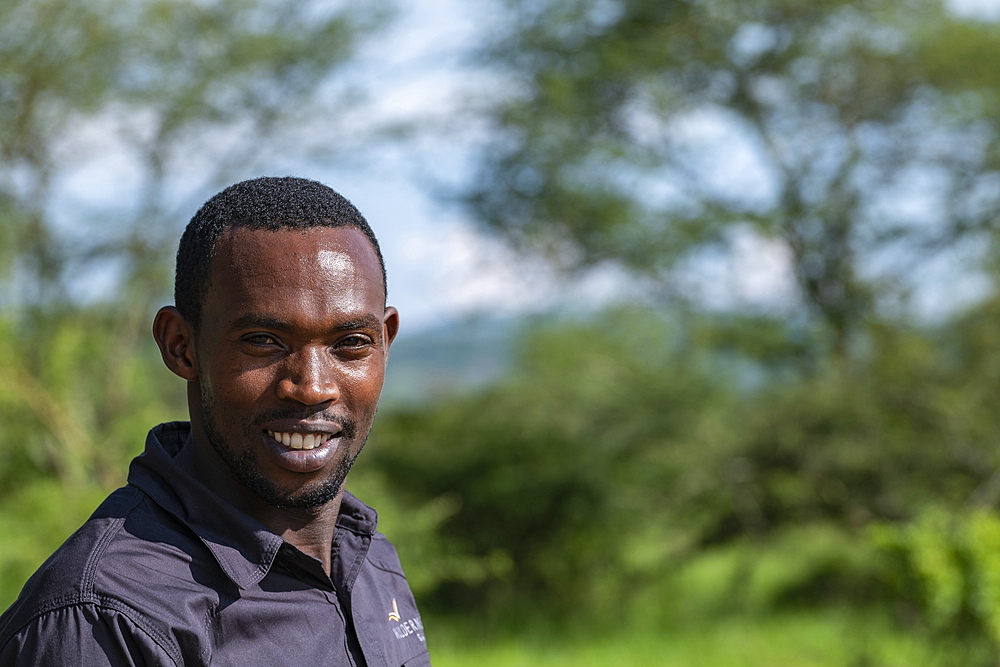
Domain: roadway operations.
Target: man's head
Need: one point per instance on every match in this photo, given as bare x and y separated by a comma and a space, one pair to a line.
282, 332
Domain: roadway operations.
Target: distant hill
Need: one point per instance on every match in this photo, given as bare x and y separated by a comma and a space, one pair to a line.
453, 358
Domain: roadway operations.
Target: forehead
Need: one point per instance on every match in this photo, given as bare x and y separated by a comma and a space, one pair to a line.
289, 273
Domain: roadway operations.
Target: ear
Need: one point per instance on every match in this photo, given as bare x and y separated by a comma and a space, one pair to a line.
175, 338
390, 326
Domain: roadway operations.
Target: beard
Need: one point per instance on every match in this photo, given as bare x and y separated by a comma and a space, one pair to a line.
247, 469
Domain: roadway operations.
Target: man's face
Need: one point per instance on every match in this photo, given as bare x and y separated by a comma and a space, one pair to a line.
291, 355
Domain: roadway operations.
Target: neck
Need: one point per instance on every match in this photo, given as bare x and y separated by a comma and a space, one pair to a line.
310, 530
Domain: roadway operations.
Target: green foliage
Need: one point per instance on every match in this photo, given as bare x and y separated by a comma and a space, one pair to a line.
641, 467
77, 395
830, 638
946, 564
185, 92
548, 476
592, 160
34, 520
796, 431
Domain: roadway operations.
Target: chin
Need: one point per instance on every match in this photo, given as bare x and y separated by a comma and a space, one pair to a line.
248, 471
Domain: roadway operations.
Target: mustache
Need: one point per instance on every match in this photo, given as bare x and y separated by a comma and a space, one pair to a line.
348, 427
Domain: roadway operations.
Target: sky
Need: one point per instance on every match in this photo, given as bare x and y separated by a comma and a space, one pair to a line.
441, 267
981, 9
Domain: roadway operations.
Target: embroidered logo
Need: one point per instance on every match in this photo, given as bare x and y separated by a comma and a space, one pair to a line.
411, 626
394, 614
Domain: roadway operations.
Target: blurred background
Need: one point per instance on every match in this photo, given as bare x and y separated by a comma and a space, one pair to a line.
700, 357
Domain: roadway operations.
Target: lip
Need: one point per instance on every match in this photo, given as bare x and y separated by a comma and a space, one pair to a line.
302, 461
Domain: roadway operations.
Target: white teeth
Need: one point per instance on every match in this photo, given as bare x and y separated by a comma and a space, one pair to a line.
300, 440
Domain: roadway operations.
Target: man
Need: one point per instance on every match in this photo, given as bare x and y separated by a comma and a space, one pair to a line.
234, 542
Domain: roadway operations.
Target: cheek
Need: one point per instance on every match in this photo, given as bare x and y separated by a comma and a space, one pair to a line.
364, 384
236, 385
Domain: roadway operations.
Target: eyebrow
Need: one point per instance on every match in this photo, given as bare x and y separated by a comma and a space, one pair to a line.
251, 321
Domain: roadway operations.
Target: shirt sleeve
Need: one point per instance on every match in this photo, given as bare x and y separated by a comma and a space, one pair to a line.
84, 635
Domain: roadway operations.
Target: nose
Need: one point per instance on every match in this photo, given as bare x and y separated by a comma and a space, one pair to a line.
309, 377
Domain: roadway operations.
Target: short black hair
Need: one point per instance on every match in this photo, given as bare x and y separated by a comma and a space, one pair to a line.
271, 203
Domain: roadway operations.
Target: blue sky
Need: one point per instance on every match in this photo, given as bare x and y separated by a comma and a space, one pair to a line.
440, 265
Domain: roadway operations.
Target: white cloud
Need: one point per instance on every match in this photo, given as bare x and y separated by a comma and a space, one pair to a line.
987, 10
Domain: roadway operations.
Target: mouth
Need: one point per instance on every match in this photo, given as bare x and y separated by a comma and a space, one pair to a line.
293, 440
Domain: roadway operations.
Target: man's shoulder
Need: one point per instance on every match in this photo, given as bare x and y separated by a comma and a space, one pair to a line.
68, 574
113, 562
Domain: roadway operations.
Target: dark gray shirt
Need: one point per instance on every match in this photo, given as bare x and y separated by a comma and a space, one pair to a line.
167, 573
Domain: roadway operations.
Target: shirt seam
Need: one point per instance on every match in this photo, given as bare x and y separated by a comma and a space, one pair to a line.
379, 566
139, 620
373, 641
97, 553
87, 596
101, 603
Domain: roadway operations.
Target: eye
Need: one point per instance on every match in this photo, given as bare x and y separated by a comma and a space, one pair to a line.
260, 339
354, 346
354, 342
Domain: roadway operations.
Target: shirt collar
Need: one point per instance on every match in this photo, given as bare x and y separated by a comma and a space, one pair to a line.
243, 547
355, 516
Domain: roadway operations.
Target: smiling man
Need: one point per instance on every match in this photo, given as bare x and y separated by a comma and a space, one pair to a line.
234, 542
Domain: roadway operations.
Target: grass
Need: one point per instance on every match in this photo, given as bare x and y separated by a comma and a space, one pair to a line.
827, 638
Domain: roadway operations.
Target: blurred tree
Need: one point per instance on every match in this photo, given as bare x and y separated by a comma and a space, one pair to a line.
184, 92
830, 119
624, 451
631, 452
549, 477
174, 97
